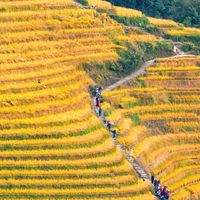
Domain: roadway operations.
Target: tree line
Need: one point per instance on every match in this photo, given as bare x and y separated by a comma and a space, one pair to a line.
183, 11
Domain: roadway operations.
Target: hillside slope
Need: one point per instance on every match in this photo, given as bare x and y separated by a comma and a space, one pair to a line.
157, 116
52, 144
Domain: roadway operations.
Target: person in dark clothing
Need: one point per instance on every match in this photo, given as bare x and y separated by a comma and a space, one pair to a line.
98, 95
114, 132
152, 179
160, 191
166, 195
100, 111
163, 191
109, 125
100, 90
155, 183
97, 102
156, 187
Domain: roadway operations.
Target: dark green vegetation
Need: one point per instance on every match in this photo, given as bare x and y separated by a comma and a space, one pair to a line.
130, 58
84, 2
183, 11
195, 39
190, 47
132, 21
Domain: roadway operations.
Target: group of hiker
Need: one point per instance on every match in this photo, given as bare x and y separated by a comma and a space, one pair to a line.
98, 100
160, 191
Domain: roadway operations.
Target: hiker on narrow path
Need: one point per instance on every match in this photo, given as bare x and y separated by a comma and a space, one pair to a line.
97, 102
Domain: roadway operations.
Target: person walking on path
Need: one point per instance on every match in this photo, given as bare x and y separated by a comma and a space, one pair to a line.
109, 125
152, 179
131, 152
175, 50
97, 102
98, 92
100, 111
114, 132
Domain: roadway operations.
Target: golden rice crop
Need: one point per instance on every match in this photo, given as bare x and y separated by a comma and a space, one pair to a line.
45, 82
154, 77
61, 92
44, 35
110, 159
161, 108
38, 45
179, 125
100, 4
162, 22
168, 116
190, 192
134, 189
137, 197
180, 172
65, 117
103, 171
168, 144
36, 107
40, 4
195, 188
185, 181
88, 139
134, 136
143, 38
183, 32
191, 68
25, 15
126, 12
154, 143
107, 146
179, 59
125, 91
54, 130
172, 154
67, 181
181, 195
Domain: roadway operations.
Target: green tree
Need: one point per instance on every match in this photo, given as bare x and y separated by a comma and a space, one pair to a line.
184, 11
191, 14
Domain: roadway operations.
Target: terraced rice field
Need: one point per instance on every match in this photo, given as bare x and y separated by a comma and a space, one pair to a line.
52, 145
175, 31
157, 116
116, 10
139, 36
162, 22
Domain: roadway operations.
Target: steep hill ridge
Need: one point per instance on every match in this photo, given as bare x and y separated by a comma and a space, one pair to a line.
157, 116
52, 145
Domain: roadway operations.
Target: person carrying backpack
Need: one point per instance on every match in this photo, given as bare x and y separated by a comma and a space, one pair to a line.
100, 111
97, 102
114, 132
166, 195
162, 193
109, 125
152, 179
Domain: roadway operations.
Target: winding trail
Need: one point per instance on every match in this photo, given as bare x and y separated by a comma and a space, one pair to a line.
141, 173
141, 71
136, 166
